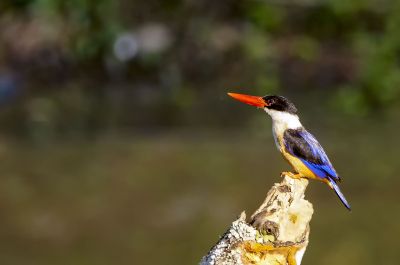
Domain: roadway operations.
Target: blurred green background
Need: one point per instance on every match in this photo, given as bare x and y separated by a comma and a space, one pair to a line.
118, 143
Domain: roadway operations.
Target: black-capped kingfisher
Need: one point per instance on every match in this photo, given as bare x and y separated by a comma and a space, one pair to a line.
297, 145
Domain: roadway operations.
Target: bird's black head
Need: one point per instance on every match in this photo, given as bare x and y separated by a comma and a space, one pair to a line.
279, 103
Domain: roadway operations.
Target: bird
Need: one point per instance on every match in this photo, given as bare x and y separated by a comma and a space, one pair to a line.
298, 147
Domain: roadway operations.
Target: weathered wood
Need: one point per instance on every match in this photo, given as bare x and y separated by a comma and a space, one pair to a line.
277, 232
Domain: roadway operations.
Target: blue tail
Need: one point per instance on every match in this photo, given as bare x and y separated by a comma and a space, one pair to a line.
339, 194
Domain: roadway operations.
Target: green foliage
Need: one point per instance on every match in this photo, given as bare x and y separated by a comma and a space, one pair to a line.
378, 83
90, 26
372, 31
347, 49
266, 17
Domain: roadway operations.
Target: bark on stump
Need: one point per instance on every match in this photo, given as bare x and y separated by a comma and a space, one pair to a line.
277, 232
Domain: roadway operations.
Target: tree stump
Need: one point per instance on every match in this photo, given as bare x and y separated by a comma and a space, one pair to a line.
277, 232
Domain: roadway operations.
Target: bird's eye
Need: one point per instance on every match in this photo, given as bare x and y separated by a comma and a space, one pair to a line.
271, 101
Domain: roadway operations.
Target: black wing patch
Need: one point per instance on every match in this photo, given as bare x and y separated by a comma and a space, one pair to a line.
298, 146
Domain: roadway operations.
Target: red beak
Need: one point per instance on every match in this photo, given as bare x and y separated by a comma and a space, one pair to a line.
251, 100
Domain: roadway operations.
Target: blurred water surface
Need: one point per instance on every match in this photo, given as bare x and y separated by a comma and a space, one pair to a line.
165, 198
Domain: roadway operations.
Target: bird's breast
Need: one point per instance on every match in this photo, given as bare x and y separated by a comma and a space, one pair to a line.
278, 129
278, 140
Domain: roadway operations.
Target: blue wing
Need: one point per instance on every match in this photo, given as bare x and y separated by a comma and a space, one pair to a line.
304, 146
